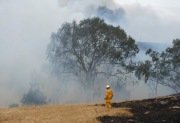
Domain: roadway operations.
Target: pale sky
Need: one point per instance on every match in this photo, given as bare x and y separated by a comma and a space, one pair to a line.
26, 27
162, 7
157, 20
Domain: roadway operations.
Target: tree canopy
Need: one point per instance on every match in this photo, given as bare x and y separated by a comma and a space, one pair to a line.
81, 49
163, 68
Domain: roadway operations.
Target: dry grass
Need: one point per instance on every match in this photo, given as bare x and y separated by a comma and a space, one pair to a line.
59, 114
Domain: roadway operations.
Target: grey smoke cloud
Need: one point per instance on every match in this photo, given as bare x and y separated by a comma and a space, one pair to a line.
25, 29
111, 16
147, 24
150, 21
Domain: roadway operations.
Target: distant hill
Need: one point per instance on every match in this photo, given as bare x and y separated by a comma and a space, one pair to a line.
143, 46
154, 46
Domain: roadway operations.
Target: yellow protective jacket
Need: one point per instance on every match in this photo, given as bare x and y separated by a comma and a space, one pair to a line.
109, 94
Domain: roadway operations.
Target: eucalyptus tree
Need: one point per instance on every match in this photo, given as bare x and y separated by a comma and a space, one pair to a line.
163, 68
82, 49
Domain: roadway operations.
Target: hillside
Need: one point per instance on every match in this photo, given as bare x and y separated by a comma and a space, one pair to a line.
155, 110
143, 46
164, 109
59, 114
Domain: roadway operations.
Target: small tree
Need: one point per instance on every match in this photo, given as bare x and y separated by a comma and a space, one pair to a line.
163, 68
33, 97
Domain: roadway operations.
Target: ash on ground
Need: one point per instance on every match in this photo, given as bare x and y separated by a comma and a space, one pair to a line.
164, 109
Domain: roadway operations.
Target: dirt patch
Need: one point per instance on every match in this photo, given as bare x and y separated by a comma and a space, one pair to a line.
155, 110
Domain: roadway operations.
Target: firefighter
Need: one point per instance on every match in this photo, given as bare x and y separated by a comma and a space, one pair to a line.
108, 96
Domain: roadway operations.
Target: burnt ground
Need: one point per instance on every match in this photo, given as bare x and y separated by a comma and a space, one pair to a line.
154, 110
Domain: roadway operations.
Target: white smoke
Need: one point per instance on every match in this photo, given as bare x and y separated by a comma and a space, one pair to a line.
26, 26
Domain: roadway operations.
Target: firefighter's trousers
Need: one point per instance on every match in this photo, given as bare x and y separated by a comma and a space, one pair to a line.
108, 104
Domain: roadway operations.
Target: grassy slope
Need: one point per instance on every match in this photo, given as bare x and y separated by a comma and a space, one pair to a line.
59, 114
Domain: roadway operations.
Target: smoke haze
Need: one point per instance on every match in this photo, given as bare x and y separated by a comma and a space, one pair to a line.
25, 29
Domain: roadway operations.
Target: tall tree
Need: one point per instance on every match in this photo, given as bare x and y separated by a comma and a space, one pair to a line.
163, 68
82, 49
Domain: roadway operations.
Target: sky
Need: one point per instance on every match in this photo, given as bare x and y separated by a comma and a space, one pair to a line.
26, 27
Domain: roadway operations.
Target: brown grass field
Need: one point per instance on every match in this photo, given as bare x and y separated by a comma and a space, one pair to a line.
59, 114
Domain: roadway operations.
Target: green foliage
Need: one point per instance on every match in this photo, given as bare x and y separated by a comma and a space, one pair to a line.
143, 69
163, 68
81, 49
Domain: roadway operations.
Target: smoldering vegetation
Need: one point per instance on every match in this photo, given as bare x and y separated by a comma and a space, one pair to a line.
66, 88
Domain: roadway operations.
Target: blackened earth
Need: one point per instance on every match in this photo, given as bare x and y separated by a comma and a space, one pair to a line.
155, 110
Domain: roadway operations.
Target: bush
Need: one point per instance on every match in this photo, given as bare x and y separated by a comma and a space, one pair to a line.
13, 105
34, 97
